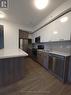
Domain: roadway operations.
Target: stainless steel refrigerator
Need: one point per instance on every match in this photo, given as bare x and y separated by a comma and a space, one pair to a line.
23, 44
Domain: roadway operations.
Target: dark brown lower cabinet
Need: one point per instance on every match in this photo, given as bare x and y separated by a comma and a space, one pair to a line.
69, 71
59, 67
11, 70
56, 65
50, 63
45, 61
29, 51
42, 58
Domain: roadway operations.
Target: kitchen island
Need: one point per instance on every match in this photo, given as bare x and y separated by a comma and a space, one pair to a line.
12, 63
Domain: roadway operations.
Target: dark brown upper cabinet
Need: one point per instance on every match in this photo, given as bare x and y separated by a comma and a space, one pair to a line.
23, 34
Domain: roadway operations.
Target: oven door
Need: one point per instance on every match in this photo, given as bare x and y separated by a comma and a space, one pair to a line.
34, 53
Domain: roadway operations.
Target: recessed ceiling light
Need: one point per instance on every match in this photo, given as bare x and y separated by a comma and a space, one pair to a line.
41, 4
64, 19
2, 14
55, 32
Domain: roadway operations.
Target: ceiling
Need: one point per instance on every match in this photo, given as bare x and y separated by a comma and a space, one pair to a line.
24, 12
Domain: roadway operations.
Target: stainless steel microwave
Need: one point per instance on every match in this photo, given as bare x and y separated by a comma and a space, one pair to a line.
37, 39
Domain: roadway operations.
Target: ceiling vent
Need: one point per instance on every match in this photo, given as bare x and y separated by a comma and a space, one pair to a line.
4, 3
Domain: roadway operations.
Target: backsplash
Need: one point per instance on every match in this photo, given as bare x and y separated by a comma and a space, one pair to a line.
54, 45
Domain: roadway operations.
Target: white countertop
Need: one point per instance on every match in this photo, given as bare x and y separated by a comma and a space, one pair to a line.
8, 53
61, 53
57, 52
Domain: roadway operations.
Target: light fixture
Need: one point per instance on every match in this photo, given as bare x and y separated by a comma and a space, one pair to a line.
55, 32
41, 4
2, 14
64, 19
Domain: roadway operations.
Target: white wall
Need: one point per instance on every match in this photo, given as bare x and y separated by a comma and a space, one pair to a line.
30, 36
45, 32
11, 34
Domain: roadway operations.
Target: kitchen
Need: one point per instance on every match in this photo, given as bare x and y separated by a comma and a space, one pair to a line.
45, 47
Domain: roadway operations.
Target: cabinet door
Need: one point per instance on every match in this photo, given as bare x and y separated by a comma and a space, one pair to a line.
56, 65
69, 73
40, 57
59, 67
50, 63
1, 37
29, 52
45, 60
61, 30
23, 34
